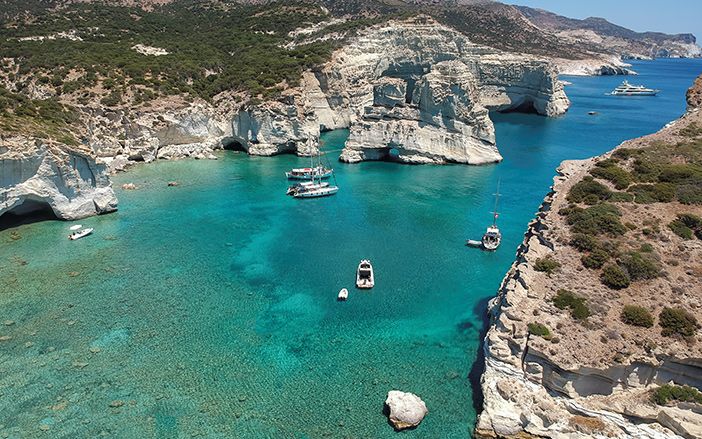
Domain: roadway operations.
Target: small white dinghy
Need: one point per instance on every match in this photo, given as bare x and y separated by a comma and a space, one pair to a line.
76, 227
81, 233
343, 294
364, 275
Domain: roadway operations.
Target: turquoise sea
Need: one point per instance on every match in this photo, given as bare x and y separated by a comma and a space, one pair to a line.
209, 309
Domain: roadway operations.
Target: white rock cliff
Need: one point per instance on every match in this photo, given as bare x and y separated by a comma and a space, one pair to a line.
68, 181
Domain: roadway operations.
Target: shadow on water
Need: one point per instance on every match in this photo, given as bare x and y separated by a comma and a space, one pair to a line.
480, 310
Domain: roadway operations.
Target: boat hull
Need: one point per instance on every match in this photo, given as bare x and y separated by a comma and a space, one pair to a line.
317, 193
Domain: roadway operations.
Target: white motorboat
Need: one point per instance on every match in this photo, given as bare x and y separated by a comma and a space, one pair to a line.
626, 89
80, 234
318, 172
365, 278
343, 294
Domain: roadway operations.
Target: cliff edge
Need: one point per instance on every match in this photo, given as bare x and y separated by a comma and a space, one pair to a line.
595, 331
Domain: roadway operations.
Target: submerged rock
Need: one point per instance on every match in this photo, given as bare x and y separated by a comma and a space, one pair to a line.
406, 410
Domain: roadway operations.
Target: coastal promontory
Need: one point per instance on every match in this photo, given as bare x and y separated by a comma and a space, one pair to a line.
595, 330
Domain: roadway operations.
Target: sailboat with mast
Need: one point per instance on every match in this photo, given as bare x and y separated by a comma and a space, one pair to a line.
492, 237
314, 188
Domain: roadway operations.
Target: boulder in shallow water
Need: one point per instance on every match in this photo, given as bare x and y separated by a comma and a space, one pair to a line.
406, 410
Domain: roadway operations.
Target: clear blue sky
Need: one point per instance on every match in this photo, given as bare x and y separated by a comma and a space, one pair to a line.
669, 16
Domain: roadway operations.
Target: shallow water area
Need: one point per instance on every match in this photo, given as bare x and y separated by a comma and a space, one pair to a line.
209, 309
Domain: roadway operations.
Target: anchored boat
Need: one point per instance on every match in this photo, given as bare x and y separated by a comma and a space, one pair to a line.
365, 278
343, 294
626, 89
314, 188
492, 237
318, 172
77, 234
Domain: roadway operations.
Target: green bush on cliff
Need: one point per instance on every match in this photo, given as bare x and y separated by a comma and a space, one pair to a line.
539, 330
584, 242
670, 392
615, 277
677, 321
595, 259
588, 188
565, 299
687, 225
600, 219
547, 265
653, 193
640, 266
620, 178
637, 316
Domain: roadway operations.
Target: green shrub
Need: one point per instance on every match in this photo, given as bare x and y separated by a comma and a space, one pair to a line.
680, 229
615, 277
645, 170
680, 173
567, 299
547, 265
624, 153
637, 316
670, 392
641, 266
540, 330
646, 248
690, 194
652, 193
677, 321
620, 178
600, 219
588, 187
584, 242
595, 259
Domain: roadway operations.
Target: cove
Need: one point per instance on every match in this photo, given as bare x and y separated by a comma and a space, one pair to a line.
209, 309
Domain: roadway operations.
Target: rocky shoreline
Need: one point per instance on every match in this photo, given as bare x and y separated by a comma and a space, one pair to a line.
571, 385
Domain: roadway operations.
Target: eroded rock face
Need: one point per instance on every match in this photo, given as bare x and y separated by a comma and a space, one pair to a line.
69, 181
193, 131
413, 91
406, 410
276, 128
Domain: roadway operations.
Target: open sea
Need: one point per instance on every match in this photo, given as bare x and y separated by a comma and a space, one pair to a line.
209, 309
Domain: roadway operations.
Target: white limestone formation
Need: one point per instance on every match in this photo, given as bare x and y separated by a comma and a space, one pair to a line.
34, 176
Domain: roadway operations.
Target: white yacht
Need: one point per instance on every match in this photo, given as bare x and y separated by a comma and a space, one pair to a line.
626, 89
314, 188
365, 278
492, 237
318, 172
305, 186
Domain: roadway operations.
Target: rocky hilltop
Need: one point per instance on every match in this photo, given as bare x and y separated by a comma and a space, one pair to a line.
595, 331
615, 39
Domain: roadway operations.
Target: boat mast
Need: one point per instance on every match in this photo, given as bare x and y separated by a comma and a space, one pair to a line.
494, 211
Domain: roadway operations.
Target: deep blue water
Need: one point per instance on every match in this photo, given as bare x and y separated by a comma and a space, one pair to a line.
209, 308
